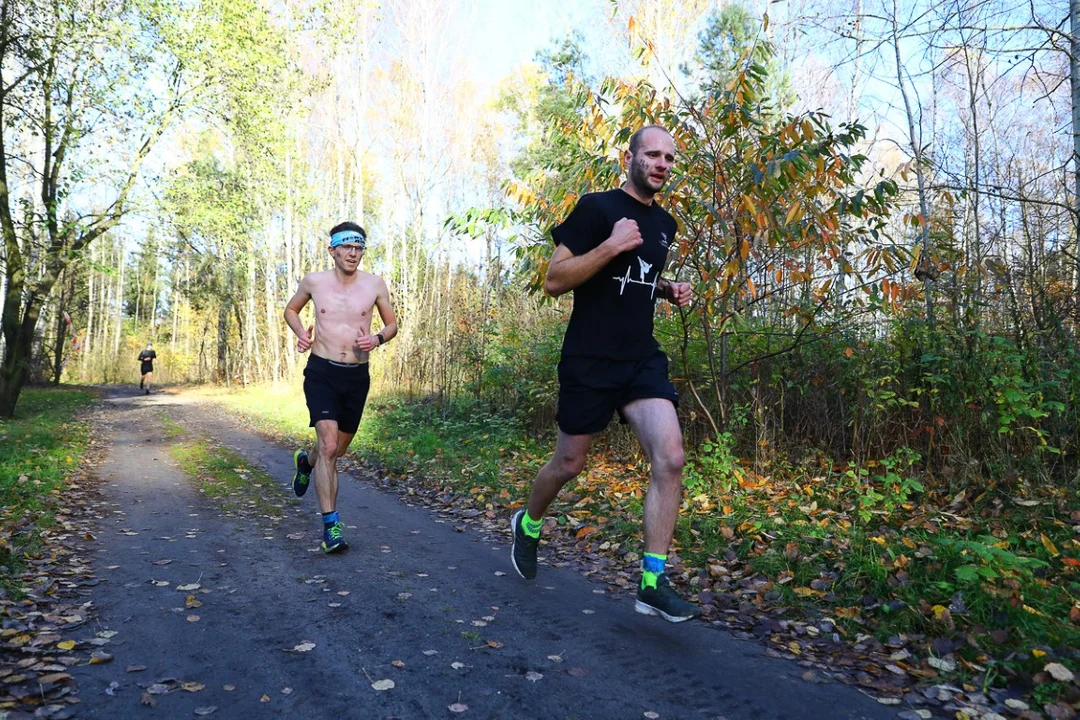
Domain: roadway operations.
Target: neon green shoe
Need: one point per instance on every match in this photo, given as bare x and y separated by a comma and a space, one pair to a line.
332, 539
301, 479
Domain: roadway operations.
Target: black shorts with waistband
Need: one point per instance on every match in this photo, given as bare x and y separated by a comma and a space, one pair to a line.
591, 390
336, 391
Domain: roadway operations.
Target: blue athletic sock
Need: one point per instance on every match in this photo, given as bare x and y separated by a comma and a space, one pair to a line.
328, 519
652, 567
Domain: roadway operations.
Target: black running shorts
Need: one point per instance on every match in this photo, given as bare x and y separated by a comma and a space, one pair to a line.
336, 391
592, 389
146, 367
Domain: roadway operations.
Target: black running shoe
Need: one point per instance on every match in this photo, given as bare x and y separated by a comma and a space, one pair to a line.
300, 479
332, 539
141, 384
665, 602
147, 391
523, 551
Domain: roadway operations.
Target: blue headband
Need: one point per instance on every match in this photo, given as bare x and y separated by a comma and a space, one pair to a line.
348, 236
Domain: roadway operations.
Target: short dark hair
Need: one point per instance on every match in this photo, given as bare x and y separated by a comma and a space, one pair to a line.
347, 225
635, 139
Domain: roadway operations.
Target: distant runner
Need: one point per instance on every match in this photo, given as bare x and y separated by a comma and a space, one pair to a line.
336, 378
146, 357
610, 252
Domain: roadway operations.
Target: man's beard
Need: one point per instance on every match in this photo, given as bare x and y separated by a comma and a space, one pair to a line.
639, 176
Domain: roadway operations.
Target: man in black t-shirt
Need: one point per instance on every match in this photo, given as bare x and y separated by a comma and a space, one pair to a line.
146, 358
610, 252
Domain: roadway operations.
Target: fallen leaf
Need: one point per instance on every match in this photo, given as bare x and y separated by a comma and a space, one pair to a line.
1050, 548
305, 646
228, 688
533, 676
204, 711
555, 658
381, 685
457, 665
148, 700
136, 668
943, 664
193, 618
264, 698
1059, 672
494, 644
192, 686
429, 653
457, 707
888, 700
577, 672
191, 603
343, 593
158, 689
398, 663
98, 657
499, 573
286, 691
66, 645
654, 715
162, 562
188, 588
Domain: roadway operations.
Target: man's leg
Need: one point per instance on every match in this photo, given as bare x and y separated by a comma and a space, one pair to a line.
327, 443
656, 425
565, 465
147, 378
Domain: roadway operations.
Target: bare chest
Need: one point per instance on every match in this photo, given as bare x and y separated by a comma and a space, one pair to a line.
336, 304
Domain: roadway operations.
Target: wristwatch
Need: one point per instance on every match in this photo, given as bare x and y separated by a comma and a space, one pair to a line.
381, 338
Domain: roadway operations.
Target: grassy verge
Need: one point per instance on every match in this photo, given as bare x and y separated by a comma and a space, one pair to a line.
39, 448
221, 474
987, 576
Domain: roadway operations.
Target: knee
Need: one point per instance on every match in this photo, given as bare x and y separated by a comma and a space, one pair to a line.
669, 463
327, 452
568, 467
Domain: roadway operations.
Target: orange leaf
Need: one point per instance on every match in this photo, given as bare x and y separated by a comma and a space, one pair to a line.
585, 532
1071, 562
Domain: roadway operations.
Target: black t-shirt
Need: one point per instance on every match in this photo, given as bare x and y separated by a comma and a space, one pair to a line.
613, 310
146, 357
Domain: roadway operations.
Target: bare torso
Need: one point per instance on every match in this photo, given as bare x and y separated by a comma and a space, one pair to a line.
341, 311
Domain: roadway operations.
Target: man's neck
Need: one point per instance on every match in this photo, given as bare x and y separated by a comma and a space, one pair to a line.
345, 278
635, 192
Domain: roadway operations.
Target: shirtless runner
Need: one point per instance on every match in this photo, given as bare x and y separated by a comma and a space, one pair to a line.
336, 378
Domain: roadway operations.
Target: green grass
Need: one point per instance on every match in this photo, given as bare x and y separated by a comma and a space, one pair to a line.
224, 476
39, 449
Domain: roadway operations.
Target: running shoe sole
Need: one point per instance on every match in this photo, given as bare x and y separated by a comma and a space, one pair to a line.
646, 609
328, 549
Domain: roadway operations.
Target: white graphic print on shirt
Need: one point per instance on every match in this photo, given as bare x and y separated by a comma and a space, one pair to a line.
644, 269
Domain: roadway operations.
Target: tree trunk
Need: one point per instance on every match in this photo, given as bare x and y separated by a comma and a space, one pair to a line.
61, 330
1074, 79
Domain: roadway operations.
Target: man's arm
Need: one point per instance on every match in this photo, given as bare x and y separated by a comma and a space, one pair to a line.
567, 271
292, 314
367, 343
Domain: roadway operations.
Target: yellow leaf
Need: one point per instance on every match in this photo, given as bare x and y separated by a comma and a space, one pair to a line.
795, 647
940, 611
66, 645
794, 213
1037, 652
1049, 545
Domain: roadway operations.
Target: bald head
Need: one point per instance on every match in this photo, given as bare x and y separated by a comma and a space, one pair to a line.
639, 137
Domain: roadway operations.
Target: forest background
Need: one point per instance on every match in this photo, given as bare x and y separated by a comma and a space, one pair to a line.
878, 209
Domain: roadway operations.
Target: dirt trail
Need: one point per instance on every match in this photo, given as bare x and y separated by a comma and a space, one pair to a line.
446, 604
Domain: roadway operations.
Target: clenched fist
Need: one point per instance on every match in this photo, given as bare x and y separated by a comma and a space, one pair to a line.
304, 342
624, 236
